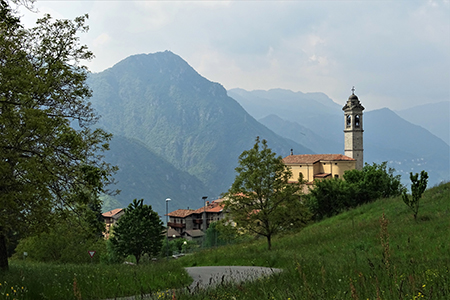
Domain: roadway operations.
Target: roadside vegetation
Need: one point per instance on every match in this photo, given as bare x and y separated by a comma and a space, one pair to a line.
375, 251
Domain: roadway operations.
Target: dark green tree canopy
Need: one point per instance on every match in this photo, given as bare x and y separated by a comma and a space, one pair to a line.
261, 200
44, 158
330, 197
138, 231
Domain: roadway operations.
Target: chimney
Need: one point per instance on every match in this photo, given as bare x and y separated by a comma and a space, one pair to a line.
292, 151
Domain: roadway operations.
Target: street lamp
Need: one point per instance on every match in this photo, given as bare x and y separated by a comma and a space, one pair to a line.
167, 227
204, 218
204, 212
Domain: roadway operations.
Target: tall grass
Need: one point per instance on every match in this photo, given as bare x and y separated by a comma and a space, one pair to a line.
376, 251
89, 281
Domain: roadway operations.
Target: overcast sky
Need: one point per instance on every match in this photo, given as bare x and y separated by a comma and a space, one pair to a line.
395, 53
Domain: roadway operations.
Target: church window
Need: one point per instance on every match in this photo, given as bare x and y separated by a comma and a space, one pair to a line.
357, 121
349, 120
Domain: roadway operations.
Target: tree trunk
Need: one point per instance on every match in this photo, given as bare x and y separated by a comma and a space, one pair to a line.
3, 253
269, 242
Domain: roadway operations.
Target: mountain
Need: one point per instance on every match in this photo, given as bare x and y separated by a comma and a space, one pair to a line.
284, 103
434, 117
408, 147
387, 137
301, 134
145, 175
190, 122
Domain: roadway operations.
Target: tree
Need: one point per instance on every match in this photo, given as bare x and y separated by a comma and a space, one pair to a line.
49, 152
373, 182
418, 186
138, 231
261, 200
329, 197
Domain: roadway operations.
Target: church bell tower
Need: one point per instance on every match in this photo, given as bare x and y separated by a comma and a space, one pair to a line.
353, 130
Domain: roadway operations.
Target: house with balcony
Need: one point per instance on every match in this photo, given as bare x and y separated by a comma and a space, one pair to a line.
192, 224
110, 218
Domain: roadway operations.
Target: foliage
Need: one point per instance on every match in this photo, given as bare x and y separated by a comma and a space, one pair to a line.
373, 182
90, 281
418, 186
330, 197
65, 243
45, 160
138, 231
372, 251
177, 246
261, 200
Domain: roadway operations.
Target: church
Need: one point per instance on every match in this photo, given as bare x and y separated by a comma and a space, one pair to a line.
320, 166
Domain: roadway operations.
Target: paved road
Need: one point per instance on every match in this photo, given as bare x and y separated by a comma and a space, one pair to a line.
211, 276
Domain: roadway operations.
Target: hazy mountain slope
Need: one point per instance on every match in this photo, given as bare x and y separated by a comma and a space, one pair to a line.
409, 147
301, 134
189, 121
435, 117
144, 175
284, 103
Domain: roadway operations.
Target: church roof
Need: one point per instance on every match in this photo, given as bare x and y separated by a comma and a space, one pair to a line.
313, 158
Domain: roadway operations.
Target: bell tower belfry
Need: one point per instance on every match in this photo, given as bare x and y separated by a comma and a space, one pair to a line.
353, 129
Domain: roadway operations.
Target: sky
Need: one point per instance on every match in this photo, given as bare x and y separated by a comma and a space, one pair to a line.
395, 53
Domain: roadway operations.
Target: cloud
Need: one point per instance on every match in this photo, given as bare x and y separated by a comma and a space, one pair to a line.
396, 53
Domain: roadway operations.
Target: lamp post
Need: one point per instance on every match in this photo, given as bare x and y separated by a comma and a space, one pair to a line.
167, 228
204, 218
204, 212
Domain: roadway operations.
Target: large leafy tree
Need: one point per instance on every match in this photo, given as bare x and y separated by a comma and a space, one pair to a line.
50, 158
261, 200
373, 182
138, 231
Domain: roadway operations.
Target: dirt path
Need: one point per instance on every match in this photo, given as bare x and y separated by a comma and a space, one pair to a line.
211, 276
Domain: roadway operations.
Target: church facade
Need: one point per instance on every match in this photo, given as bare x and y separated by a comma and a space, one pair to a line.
312, 167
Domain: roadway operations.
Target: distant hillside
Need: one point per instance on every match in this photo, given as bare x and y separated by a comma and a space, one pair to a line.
408, 147
187, 120
145, 175
435, 117
387, 137
301, 134
285, 103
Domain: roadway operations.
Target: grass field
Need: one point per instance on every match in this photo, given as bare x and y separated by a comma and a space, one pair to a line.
376, 251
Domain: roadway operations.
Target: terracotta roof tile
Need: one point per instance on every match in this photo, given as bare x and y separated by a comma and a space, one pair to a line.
313, 158
180, 213
112, 213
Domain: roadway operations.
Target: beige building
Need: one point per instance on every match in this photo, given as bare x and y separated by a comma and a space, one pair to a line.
318, 166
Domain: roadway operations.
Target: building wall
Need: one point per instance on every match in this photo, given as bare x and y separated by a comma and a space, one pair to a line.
309, 170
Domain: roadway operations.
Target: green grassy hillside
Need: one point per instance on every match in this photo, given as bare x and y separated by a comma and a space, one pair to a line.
376, 251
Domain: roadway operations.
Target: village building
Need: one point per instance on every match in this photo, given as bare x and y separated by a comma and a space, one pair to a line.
110, 218
311, 167
192, 224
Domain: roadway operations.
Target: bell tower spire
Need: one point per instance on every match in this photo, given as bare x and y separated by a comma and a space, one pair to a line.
353, 129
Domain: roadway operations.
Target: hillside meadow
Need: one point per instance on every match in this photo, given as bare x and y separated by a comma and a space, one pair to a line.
376, 251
